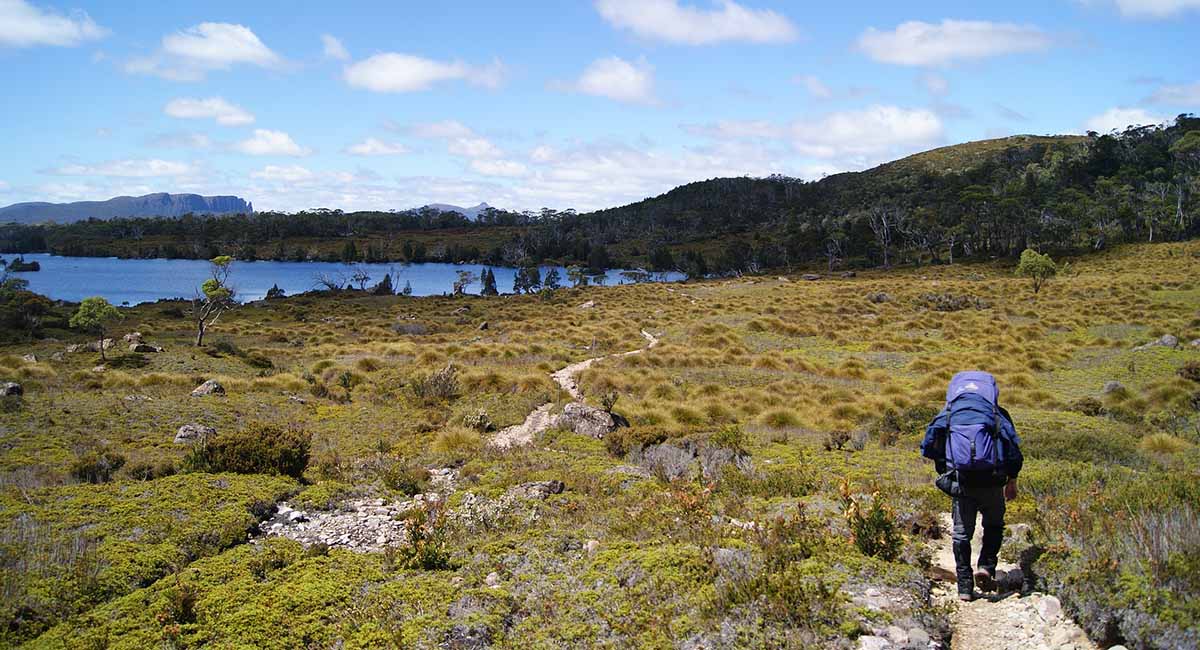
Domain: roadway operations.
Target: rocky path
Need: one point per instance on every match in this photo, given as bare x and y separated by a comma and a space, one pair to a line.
541, 418
1004, 620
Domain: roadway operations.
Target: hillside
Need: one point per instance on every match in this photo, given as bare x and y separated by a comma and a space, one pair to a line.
149, 205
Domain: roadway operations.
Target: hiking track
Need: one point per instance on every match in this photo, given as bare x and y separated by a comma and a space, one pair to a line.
541, 418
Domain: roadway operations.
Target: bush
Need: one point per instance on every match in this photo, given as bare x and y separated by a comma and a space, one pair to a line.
428, 543
628, 439
129, 361
442, 385
1190, 371
836, 440
872, 529
479, 421
1088, 406
260, 448
97, 465
457, 442
406, 479
148, 471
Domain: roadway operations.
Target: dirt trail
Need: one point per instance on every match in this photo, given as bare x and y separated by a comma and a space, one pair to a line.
1004, 620
541, 418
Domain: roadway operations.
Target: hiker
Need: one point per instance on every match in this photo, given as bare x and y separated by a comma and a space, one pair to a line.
977, 453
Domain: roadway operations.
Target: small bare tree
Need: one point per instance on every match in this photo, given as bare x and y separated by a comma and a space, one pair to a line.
214, 298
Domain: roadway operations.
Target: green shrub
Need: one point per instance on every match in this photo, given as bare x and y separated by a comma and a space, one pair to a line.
260, 448
442, 385
406, 479
129, 361
97, 465
427, 546
626, 439
1190, 371
729, 437
148, 471
873, 529
1088, 406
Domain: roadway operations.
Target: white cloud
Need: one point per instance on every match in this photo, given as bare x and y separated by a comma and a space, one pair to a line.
864, 135
333, 48
190, 54
216, 108
737, 129
283, 173
618, 79
392, 72
1155, 8
920, 43
473, 147
126, 169
24, 25
265, 142
376, 147
4, 187
507, 168
667, 20
1120, 118
814, 86
1187, 95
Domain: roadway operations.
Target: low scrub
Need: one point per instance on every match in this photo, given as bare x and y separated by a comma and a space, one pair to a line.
260, 448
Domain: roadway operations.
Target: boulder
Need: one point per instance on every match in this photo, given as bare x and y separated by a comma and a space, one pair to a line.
133, 337
461, 310
589, 420
190, 433
849, 274
11, 388
591, 546
483, 326
878, 297
810, 277
1168, 341
1195, 343
537, 489
144, 347
1049, 609
871, 642
29, 358
588, 305
1113, 387
210, 387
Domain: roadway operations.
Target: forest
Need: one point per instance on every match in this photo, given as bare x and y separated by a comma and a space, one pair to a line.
985, 199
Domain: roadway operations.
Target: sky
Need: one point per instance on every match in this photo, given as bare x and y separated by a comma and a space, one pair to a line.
562, 104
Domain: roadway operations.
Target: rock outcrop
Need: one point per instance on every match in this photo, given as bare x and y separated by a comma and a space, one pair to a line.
210, 387
190, 433
11, 388
589, 420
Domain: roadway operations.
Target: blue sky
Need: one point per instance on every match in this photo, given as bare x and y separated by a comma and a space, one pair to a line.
390, 105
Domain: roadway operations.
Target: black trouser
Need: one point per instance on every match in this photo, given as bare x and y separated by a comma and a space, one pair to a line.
988, 501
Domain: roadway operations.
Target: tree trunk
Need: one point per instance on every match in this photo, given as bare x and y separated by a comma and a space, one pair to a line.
200, 335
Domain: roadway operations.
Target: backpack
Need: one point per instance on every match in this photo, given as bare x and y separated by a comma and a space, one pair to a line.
973, 446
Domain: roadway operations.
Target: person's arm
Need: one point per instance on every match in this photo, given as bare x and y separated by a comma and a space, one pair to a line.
934, 445
1013, 459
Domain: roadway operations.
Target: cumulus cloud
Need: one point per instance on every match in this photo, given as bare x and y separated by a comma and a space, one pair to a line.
617, 79
499, 168
214, 108
443, 129
927, 44
376, 147
667, 20
125, 169
866, 133
266, 142
1120, 118
1155, 8
188, 55
1187, 95
814, 86
283, 173
333, 48
392, 72
936, 84
24, 25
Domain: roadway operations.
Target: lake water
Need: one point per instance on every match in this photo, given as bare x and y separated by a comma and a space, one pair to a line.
124, 281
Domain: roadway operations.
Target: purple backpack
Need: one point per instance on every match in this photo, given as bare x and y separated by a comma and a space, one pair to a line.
972, 425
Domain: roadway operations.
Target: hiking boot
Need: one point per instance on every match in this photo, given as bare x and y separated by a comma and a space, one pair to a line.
966, 596
984, 580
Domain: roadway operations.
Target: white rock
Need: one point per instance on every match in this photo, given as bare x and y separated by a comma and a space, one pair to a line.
591, 546
897, 635
873, 643
918, 638
492, 580
1049, 608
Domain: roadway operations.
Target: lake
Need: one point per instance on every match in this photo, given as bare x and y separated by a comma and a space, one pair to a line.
124, 281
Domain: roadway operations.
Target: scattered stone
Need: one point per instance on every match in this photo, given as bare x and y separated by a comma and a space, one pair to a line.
1113, 387
193, 432
1049, 608
810, 277
99, 368
897, 635
29, 358
11, 388
1164, 341
589, 420
918, 638
210, 387
297, 399
144, 347
76, 347
133, 337
483, 326
492, 580
782, 279
870, 642
1195, 343
461, 310
849, 274
879, 297
588, 305
591, 546
537, 489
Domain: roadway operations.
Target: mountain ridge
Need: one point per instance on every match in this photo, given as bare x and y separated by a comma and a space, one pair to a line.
158, 204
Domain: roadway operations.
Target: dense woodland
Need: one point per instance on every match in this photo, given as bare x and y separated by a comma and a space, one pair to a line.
981, 199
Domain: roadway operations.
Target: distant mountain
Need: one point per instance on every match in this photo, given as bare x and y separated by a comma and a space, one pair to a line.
150, 205
470, 213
